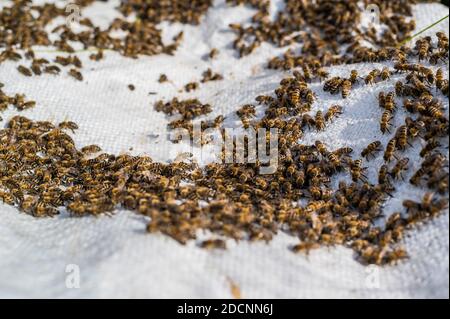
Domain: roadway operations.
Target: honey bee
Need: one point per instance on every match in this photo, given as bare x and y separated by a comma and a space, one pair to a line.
394, 221
24, 70
7, 198
30, 54
381, 99
343, 151
74, 60
389, 103
395, 255
371, 149
333, 85
354, 76
385, 74
307, 74
371, 255
400, 166
319, 121
444, 88
163, 78
333, 159
357, 171
265, 99
411, 205
41, 61
402, 67
402, 137
399, 88
76, 74
213, 244
322, 74
410, 106
390, 149
308, 120
428, 74
427, 201
383, 174
346, 86
439, 78
305, 247
261, 183
414, 127
321, 148
418, 84
417, 177
385, 122
431, 145
68, 125
423, 47
97, 56
36, 68
64, 61
192, 86
44, 210
371, 77
310, 97
28, 205
442, 41
52, 69
22, 105
438, 56
9, 54
437, 113
294, 96
213, 53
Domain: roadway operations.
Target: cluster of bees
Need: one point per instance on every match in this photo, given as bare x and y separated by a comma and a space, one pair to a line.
307, 170
24, 26
184, 11
187, 111
331, 26
43, 172
18, 101
41, 65
344, 85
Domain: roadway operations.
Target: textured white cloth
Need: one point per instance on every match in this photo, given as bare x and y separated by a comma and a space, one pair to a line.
116, 258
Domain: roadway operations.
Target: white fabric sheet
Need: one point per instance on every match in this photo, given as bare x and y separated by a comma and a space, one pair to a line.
115, 256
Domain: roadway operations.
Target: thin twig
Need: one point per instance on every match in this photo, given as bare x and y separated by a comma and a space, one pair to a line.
422, 31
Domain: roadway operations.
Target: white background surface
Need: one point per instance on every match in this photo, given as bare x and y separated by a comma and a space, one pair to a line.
115, 255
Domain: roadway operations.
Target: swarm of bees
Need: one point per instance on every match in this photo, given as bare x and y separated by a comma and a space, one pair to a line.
28, 22
188, 110
44, 171
330, 27
183, 11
